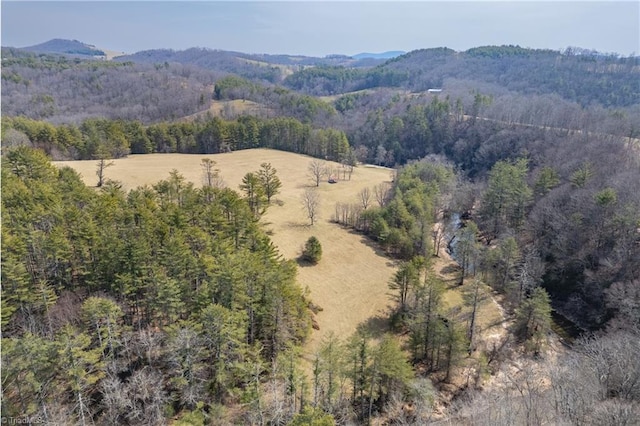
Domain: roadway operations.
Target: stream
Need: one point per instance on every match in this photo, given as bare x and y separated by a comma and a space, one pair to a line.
455, 223
566, 329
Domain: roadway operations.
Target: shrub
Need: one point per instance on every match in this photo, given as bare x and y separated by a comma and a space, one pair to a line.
312, 251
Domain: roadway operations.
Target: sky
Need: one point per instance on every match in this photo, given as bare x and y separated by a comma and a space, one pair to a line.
319, 28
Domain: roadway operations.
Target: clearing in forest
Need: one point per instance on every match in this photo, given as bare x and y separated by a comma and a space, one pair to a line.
350, 283
230, 108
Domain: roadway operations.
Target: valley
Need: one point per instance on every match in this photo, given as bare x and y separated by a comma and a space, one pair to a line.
148, 279
350, 284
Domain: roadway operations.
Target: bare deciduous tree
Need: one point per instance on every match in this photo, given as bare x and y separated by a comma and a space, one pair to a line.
439, 232
115, 398
529, 273
210, 174
381, 154
361, 153
382, 192
598, 382
146, 397
317, 170
13, 138
473, 297
311, 203
365, 197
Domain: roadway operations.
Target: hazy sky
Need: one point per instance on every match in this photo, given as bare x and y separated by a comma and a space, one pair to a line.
321, 28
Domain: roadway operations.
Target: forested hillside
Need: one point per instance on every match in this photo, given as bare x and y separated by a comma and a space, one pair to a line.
60, 89
561, 217
67, 47
577, 78
127, 307
577, 75
268, 68
523, 164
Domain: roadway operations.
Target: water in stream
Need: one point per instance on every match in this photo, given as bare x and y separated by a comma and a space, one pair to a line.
452, 227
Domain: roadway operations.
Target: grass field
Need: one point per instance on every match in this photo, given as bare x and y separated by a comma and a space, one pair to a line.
228, 109
286, 70
349, 283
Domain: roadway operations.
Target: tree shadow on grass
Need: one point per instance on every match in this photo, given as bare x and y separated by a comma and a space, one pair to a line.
374, 246
503, 322
303, 263
375, 326
307, 185
299, 225
450, 269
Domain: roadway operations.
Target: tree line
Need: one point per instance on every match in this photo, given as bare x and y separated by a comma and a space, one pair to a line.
103, 138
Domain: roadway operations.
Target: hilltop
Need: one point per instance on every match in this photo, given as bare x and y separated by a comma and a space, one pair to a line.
384, 55
72, 48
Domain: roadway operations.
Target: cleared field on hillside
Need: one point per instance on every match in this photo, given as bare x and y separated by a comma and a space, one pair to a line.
349, 283
227, 109
286, 70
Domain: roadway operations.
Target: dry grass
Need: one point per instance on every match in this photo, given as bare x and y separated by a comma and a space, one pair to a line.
230, 108
286, 70
333, 98
349, 283
491, 320
110, 54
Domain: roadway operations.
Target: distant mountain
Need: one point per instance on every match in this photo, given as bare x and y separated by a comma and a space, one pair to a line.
167, 84
578, 75
76, 48
207, 57
384, 55
271, 68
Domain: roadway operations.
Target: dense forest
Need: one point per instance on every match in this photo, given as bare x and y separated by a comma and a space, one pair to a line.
528, 160
582, 76
106, 294
103, 139
568, 89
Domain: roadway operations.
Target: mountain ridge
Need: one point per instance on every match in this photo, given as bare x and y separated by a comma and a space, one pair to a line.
81, 49
389, 54
74, 48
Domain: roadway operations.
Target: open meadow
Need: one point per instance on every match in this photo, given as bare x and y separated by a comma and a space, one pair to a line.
350, 283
